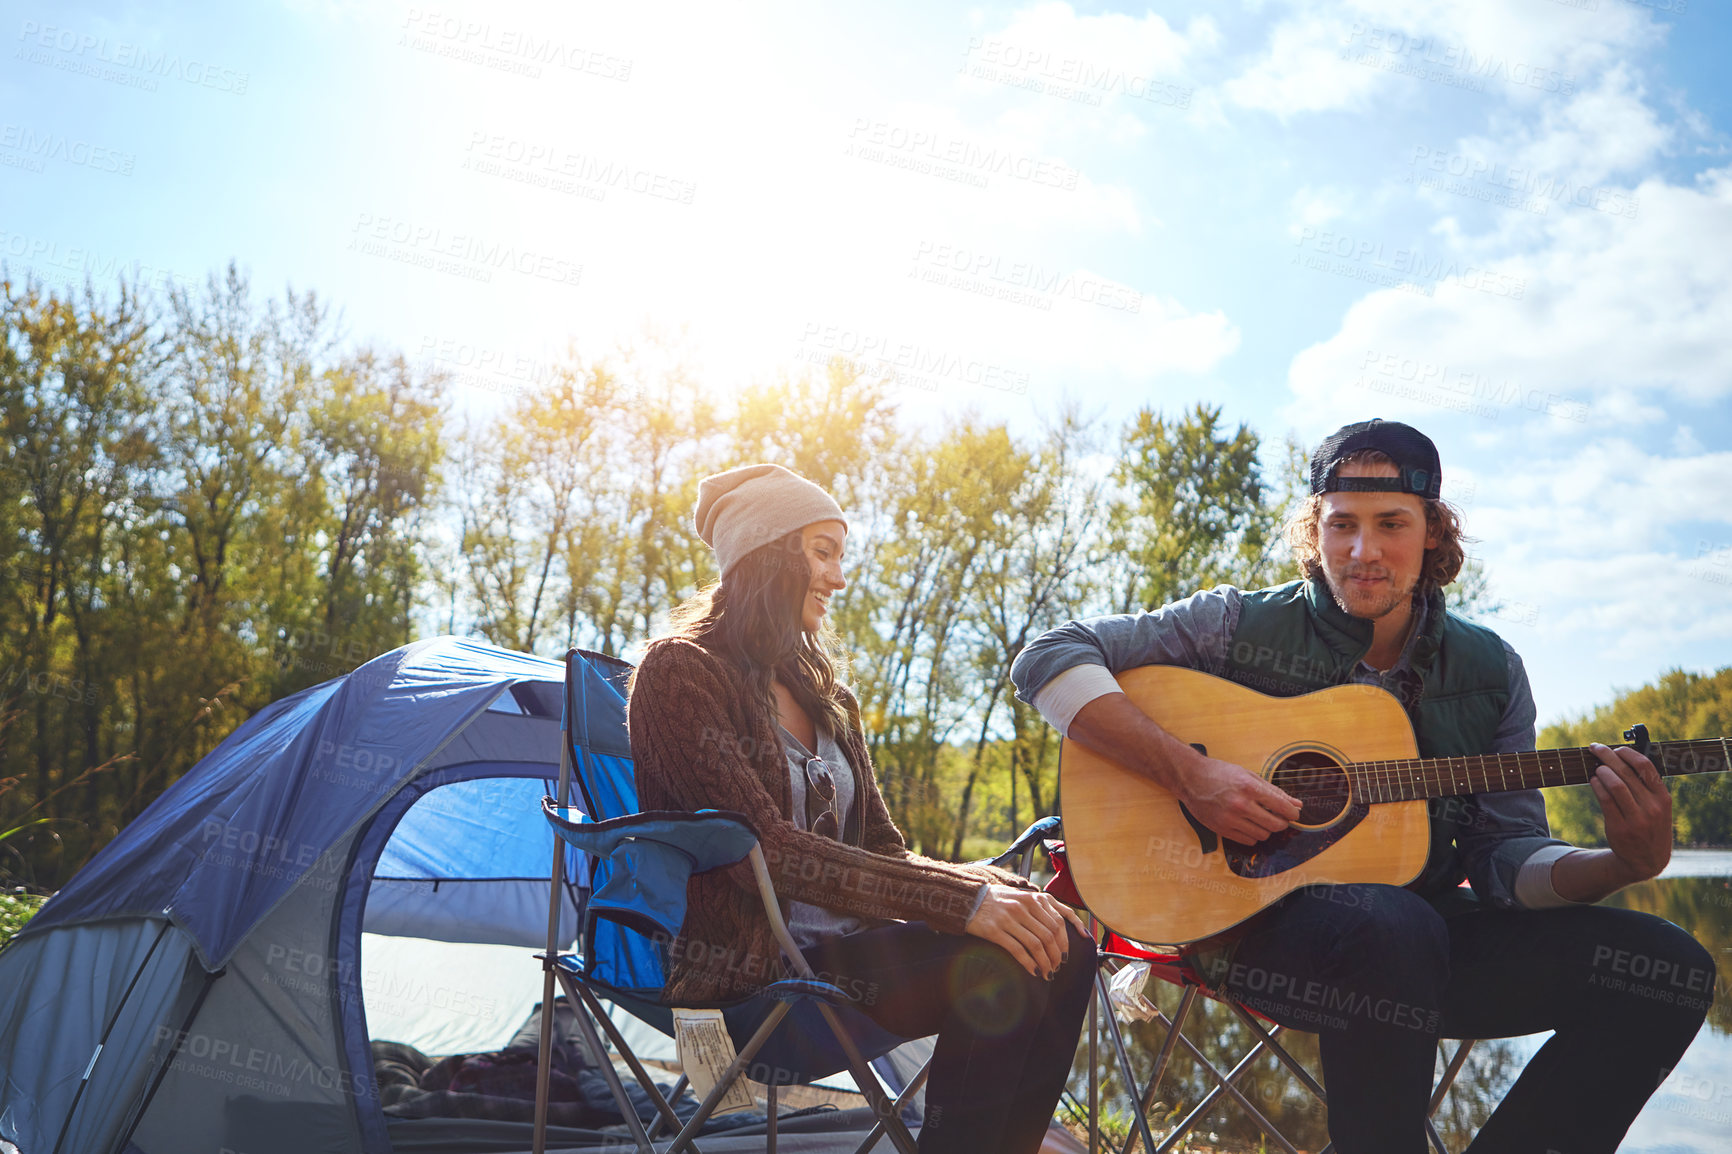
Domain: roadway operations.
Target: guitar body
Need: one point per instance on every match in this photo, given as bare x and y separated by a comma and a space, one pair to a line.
1149, 871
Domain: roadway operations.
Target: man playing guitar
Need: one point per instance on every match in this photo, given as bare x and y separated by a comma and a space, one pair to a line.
1378, 971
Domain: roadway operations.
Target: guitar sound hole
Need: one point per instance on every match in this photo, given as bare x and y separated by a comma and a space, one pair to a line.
1317, 782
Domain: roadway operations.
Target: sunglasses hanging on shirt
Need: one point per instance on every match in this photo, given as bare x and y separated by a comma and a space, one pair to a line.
821, 784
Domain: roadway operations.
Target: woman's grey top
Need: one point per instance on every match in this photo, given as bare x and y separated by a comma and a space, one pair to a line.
810, 924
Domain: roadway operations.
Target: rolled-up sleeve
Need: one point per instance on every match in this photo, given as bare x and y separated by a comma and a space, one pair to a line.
1498, 833
1191, 632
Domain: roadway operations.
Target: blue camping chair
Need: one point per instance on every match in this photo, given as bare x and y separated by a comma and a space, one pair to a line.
638, 865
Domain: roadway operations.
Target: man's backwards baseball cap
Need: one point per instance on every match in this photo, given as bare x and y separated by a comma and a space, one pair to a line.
1411, 450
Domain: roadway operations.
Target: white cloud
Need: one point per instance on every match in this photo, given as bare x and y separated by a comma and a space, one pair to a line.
1614, 313
1046, 38
1327, 56
1312, 208
1303, 71
1601, 132
1100, 77
1593, 548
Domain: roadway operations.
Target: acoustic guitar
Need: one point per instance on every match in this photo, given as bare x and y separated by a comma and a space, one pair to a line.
1149, 869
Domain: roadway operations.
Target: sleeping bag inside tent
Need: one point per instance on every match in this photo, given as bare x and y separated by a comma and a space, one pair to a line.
363, 861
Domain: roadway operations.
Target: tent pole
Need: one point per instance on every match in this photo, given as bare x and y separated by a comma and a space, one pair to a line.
106, 1031
167, 1062
544, 1062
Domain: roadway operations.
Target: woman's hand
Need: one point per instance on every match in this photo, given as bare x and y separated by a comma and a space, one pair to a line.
1028, 925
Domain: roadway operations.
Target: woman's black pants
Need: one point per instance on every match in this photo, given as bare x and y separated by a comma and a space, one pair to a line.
1006, 1039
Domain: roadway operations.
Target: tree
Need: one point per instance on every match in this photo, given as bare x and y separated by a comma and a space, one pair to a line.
1191, 511
1680, 706
1037, 581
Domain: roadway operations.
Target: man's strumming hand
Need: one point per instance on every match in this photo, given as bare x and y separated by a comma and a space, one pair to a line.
1231, 800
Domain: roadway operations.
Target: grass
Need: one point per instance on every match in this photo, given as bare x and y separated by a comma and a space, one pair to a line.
15, 910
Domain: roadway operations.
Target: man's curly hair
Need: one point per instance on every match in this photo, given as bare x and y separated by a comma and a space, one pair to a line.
1440, 565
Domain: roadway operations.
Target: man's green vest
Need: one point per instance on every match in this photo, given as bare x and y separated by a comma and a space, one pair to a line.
1295, 639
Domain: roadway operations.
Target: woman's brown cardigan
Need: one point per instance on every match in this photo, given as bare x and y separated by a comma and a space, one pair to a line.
696, 745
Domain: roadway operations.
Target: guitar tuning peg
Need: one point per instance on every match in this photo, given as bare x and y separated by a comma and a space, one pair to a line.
1637, 736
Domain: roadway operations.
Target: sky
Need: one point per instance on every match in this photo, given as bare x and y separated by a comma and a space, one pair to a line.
1506, 222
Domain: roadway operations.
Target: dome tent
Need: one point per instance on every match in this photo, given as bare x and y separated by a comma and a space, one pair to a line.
198, 984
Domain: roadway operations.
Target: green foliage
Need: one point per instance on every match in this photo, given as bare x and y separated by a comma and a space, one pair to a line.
1195, 512
1679, 706
15, 910
204, 504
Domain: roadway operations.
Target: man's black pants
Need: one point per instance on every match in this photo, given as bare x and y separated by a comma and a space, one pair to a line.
1379, 975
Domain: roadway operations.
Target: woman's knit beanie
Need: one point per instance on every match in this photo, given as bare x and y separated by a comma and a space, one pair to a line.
753, 505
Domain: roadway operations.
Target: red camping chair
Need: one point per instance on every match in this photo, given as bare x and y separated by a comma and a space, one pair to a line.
1168, 966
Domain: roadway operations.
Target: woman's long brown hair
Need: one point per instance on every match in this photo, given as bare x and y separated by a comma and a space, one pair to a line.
752, 618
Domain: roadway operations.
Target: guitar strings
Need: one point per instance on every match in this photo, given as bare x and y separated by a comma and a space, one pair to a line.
1397, 776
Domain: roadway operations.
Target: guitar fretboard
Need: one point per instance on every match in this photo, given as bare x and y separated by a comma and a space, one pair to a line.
1413, 779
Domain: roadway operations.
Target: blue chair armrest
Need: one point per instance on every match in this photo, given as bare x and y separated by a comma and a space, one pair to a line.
650, 857
709, 838
1046, 827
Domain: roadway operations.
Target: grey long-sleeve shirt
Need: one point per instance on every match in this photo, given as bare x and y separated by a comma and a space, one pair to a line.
1506, 844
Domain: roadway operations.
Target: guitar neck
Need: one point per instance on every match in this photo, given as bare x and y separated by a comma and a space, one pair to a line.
1417, 778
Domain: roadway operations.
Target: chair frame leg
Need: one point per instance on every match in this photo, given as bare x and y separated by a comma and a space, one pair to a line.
868, 1082
1175, 1030
1094, 1056
897, 1106
1129, 1074
656, 1126
598, 1051
544, 1063
1280, 1052
1224, 1083
664, 1107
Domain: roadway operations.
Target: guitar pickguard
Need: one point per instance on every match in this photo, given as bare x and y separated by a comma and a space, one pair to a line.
1206, 839
1280, 852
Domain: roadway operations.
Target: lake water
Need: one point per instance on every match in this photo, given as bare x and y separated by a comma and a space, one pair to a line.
1691, 1113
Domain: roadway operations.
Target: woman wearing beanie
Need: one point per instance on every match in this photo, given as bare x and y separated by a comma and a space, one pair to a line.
738, 708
